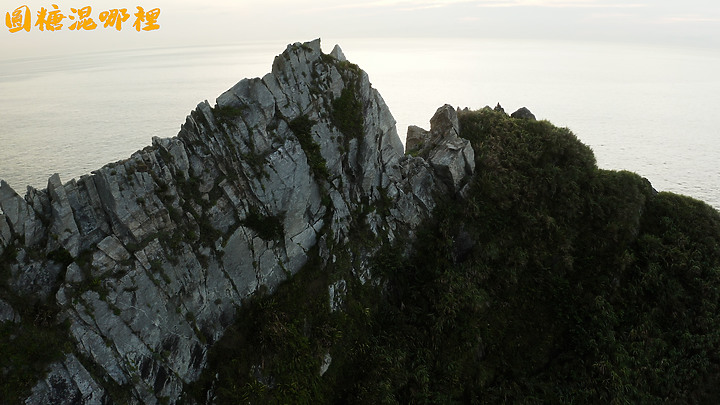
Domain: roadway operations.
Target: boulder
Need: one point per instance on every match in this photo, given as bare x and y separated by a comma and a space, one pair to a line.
416, 139
444, 123
453, 162
523, 113
451, 157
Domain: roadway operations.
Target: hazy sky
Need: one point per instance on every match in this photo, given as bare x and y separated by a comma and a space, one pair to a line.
193, 22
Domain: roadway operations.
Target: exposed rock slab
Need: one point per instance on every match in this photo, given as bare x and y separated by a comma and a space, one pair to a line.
68, 383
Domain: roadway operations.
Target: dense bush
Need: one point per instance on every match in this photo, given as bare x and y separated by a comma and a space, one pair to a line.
551, 282
30, 345
347, 113
302, 128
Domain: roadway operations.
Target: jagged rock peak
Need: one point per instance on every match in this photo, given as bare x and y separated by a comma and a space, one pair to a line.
338, 54
148, 258
523, 113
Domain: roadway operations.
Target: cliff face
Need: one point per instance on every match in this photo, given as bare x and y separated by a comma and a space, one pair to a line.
145, 261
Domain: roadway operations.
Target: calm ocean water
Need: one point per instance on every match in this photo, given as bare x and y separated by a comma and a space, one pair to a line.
650, 110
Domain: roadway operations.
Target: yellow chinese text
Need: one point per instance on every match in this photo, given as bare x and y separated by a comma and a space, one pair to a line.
19, 20
83, 20
49, 20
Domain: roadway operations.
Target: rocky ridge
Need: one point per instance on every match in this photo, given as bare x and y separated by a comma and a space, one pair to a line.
148, 258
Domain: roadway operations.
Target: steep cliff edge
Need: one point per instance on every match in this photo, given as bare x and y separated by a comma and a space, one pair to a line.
145, 260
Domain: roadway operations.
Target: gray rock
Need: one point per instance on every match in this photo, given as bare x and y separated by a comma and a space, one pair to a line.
5, 232
327, 360
444, 123
56, 388
417, 138
7, 313
453, 163
20, 216
451, 157
68, 383
112, 247
165, 248
84, 200
338, 54
523, 113
74, 274
35, 279
337, 291
91, 392
63, 227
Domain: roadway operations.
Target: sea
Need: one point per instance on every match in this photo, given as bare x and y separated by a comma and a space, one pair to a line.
648, 109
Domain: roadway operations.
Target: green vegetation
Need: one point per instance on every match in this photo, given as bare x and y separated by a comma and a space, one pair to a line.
273, 330
273, 352
302, 128
226, 114
27, 349
60, 256
347, 113
268, 227
30, 345
551, 282
192, 202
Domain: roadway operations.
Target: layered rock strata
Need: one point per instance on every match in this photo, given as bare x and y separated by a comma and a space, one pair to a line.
148, 258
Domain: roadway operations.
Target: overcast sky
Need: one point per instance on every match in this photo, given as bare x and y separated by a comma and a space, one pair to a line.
193, 22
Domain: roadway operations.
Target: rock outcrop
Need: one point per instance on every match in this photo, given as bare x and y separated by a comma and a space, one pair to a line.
148, 258
523, 113
452, 157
